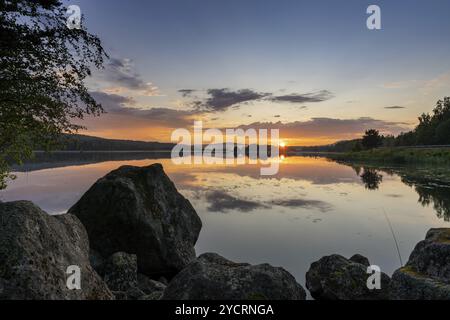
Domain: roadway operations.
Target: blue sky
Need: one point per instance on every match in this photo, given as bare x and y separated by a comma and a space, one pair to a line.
274, 47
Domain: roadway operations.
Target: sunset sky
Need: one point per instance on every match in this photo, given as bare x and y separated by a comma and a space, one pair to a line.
309, 68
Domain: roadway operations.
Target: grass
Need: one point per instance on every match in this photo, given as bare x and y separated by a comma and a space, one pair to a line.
398, 156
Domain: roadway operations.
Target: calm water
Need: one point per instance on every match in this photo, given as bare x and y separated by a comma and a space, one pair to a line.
313, 207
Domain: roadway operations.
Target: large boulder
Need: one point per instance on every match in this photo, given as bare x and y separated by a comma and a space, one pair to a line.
36, 250
212, 277
337, 278
426, 276
139, 211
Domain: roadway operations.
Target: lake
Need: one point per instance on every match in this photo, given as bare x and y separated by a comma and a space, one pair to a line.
313, 207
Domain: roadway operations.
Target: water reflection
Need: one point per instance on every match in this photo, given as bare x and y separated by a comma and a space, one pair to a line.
431, 193
433, 189
220, 201
311, 208
371, 179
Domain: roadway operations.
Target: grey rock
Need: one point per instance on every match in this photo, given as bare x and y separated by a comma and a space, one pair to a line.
431, 257
121, 276
407, 284
139, 211
132, 293
137, 293
120, 271
212, 277
360, 259
149, 286
337, 278
35, 251
426, 276
152, 289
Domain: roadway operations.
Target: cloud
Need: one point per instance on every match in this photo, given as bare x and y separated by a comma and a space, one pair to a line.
222, 99
220, 201
318, 96
120, 105
330, 127
302, 203
112, 102
395, 107
122, 73
186, 92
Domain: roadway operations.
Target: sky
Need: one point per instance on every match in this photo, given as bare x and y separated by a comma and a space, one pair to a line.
311, 69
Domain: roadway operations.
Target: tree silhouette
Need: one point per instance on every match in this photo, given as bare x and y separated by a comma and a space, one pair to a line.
43, 65
372, 139
432, 128
371, 178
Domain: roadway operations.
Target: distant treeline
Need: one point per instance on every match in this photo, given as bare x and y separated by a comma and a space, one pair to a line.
76, 142
341, 146
433, 129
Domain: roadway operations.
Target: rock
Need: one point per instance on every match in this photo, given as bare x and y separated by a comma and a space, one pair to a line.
120, 272
146, 289
337, 278
212, 277
133, 293
149, 286
431, 257
121, 276
152, 289
139, 211
407, 284
360, 259
426, 276
35, 251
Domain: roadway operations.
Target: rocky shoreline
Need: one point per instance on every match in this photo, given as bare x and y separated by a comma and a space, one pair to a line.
132, 236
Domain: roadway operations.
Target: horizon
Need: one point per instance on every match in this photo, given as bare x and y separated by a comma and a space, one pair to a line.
244, 65
204, 144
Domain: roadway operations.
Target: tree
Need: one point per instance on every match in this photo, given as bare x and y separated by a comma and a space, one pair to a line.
424, 132
432, 128
371, 179
443, 133
43, 65
405, 139
372, 139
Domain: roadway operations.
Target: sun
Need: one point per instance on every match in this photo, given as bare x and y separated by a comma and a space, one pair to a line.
282, 144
